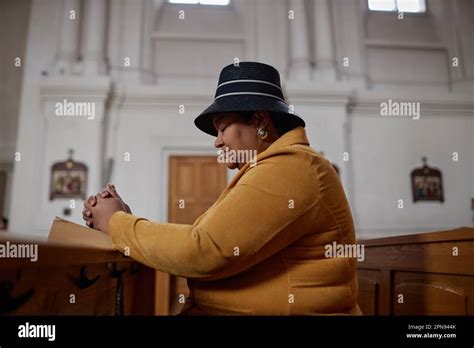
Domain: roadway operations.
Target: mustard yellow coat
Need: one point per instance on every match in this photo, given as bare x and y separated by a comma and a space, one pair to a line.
260, 248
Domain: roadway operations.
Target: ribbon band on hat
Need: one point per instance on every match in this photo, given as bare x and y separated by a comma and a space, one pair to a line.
255, 87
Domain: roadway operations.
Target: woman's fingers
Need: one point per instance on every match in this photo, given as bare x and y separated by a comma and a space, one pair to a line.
109, 191
113, 192
87, 217
92, 201
105, 194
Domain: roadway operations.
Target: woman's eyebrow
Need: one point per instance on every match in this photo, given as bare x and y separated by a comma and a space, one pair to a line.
217, 120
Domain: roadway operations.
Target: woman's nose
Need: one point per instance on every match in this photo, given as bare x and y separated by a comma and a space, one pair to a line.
218, 143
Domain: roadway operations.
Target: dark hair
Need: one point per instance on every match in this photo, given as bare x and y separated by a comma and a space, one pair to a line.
281, 126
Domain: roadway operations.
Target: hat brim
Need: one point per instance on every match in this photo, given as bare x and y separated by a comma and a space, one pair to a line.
239, 103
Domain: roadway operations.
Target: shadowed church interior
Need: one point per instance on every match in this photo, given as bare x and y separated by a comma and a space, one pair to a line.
106, 91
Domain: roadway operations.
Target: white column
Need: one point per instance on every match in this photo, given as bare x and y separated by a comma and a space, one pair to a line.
349, 39
323, 46
68, 37
129, 20
93, 36
300, 66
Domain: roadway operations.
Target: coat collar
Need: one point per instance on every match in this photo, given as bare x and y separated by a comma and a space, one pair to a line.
292, 137
296, 136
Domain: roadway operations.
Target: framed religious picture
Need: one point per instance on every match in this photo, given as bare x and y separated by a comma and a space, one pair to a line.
427, 184
68, 179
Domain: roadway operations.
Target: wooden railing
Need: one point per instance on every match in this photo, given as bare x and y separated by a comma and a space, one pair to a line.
420, 274
68, 280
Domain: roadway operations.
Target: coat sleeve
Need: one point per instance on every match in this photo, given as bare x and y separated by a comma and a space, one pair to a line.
244, 228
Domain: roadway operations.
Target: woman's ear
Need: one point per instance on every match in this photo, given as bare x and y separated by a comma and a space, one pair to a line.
260, 119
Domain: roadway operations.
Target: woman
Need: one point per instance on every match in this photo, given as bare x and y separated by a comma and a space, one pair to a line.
260, 249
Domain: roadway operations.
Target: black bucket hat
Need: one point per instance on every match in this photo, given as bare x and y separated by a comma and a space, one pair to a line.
248, 86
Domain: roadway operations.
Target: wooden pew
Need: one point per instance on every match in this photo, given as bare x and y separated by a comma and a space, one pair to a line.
420, 274
404, 275
69, 280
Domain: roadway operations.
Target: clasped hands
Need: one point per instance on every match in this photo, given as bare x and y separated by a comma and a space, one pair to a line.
99, 209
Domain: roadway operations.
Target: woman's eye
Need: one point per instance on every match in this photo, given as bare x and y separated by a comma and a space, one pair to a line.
223, 129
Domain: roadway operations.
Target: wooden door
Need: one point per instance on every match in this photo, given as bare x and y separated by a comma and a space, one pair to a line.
195, 183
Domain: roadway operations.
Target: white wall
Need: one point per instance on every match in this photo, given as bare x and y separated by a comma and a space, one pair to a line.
13, 28
14, 16
28, 178
146, 126
387, 149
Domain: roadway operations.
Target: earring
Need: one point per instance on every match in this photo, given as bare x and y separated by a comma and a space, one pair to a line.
262, 133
